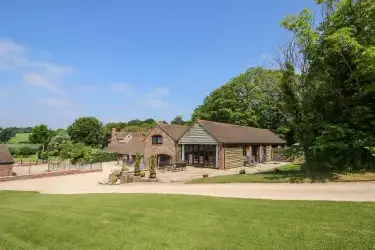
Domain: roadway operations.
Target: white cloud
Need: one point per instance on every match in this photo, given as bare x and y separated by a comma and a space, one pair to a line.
159, 92
121, 87
37, 80
14, 57
55, 102
9, 47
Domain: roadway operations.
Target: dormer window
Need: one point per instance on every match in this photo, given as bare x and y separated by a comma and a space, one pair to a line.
157, 139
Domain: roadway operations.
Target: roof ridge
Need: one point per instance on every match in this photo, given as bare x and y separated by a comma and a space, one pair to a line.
232, 124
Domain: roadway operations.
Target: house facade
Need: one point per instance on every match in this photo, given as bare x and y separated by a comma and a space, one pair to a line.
126, 144
224, 146
6, 161
204, 144
162, 142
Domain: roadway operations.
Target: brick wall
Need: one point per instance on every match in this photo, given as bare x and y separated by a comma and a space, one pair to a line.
48, 174
6, 170
168, 147
221, 157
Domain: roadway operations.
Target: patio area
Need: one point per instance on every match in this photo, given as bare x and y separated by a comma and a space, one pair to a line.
169, 176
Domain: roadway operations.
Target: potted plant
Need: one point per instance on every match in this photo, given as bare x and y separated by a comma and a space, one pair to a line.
137, 170
143, 174
152, 167
205, 175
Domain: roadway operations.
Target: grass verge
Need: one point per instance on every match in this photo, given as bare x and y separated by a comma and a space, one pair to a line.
139, 221
291, 173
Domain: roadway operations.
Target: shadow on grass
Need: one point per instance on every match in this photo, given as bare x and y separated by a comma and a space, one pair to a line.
299, 176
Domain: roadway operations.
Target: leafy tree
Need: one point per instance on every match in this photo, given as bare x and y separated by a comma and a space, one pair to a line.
331, 101
179, 121
76, 152
40, 134
25, 151
253, 99
149, 121
6, 134
86, 130
134, 122
57, 142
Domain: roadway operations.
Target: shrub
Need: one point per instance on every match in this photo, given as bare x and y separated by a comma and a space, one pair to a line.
103, 157
287, 154
137, 162
276, 170
205, 175
26, 151
242, 171
42, 155
13, 151
143, 174
152, 164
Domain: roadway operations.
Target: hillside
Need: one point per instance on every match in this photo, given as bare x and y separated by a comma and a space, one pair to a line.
20, 138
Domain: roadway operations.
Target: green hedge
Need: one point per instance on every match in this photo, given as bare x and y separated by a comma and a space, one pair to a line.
23, 151
103, 157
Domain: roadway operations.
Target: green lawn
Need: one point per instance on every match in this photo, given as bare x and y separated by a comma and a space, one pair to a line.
21, 145
20, 138
123, 221
290, 173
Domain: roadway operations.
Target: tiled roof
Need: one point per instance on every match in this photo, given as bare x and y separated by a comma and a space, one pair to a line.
135, 145
174, 131
230, 133
5, 156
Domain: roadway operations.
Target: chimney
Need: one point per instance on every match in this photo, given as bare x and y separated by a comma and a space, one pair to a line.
113, 136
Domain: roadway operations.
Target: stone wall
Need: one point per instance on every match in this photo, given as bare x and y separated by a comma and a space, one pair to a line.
168, 147
6, 170
48, 174
269, 152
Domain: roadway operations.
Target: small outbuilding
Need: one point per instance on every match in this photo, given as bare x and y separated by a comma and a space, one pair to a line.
6, 161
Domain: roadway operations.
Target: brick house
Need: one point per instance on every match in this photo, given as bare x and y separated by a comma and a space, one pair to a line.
161, 142
223, 146
6, 161
126, 144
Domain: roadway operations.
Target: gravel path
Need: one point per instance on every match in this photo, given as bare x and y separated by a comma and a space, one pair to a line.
88, 183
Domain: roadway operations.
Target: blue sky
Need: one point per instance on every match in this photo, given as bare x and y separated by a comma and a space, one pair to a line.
120, 60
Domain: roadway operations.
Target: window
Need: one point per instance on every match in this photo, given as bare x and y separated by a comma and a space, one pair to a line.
157, 139
244, 151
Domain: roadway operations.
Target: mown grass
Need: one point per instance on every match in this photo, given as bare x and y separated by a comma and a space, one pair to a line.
291, 173
20, 138
21, 145
124, 221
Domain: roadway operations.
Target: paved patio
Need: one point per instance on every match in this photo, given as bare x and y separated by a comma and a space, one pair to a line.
196, 172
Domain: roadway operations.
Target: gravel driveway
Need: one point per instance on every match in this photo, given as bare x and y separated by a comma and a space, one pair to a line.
88, 183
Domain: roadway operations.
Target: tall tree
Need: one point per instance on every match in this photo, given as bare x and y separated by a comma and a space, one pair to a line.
332, 100
40, 134
179, 121
6, 134
252, 99
86, 130
57, 142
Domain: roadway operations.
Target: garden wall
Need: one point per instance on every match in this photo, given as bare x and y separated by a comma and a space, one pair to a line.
49, 174
6, 170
